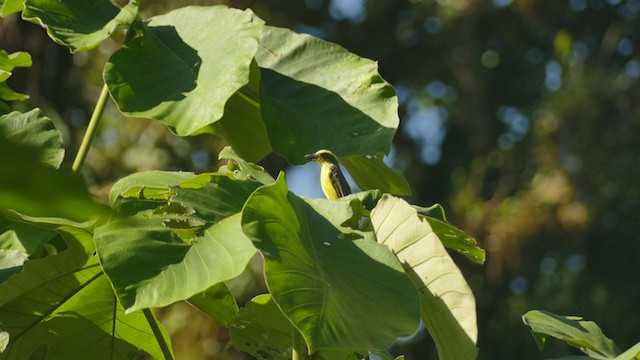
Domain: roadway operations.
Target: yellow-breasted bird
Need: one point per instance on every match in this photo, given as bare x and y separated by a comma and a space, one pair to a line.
333, 183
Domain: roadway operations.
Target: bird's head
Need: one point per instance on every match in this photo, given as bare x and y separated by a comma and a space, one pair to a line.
322, 156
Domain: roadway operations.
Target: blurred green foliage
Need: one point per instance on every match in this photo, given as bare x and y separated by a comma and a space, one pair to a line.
519, 116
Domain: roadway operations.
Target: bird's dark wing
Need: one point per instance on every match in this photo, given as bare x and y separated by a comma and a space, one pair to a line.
339, 182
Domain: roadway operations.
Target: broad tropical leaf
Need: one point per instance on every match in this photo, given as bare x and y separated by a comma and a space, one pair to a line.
373, 173
35, 130
187, 238
261, 330
242, 169
242, 125
448, 305
327, 284
22, 188
218, 302
11, 6
582, 334
175, 72
79, 24
310, 86
64, 307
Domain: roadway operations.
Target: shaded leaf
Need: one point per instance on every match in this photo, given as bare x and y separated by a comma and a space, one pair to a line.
261, 330
178, 55
79, 24
435, 211
452, 237
457, 240
59, 304
310, 86
585, 335
35, 130
24, 237
448, 305
218, 302
326, 285
22, 188
373, 173
242, 125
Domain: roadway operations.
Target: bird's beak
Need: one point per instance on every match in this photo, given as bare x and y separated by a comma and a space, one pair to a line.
311, 156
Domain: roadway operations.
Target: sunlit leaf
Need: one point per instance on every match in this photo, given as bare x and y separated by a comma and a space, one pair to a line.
11, 6
187, 242
317, 95
243, 169
329, 286
632, 354
185, 66
79, 24
8, 94
582, 334
147, 179
448, 305
17, 59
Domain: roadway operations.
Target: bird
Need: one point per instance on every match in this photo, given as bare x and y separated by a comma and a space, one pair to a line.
332, 181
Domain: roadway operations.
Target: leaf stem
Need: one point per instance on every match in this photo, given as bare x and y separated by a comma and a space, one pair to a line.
297, 351
91, 129
158, 334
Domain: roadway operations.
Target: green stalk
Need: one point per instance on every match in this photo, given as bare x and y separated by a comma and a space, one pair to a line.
91, 130
158, 334
297, 351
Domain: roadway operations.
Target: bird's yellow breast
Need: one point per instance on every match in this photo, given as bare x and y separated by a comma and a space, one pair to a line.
325, 181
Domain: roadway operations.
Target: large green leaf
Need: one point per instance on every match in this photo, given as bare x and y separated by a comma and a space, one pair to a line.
448, 305
35, 130
261, 330
218, 302
584, 335
31, 187
185, 242
242, 124
326, 285
64, 305
79, 24
23, 237
185, 66
457, 240
317, 95
372, 173
242, 169
141, 180
11, 6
